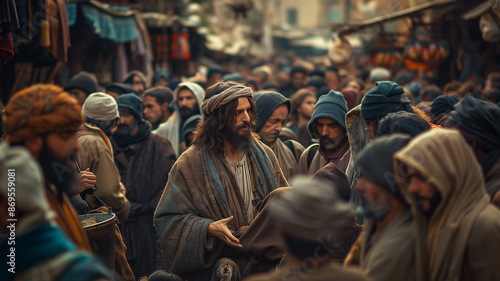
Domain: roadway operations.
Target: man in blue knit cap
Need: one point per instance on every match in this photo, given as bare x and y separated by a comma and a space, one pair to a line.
144, 161
272, 113
385, 98
328, 124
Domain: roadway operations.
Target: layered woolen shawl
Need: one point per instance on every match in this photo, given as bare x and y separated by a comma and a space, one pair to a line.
463, 233
202, 189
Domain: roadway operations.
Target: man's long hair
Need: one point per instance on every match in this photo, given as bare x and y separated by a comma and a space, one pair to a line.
210, 131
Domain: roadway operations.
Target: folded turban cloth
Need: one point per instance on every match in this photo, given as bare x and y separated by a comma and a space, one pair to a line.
385, 98
311, 210
443, 104
40, 110
267, 102
100, 106
228, 95
375, 162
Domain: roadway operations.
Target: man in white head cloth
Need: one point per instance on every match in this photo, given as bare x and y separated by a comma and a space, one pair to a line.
313, 221
215, 185
96, 154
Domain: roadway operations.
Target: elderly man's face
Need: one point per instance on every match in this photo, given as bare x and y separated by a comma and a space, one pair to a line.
299, 80
330, 133
425, 193
270, 131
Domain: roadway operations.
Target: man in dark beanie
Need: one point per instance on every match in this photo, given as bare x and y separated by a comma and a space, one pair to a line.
272, 113
81, 86
328, 124
387, 250
144, 161
385, 98
137, 80
479, 123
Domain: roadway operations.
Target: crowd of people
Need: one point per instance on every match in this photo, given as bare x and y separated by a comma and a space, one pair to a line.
314, 173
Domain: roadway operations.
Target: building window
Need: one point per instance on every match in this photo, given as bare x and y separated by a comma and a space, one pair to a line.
334, 15
292, 16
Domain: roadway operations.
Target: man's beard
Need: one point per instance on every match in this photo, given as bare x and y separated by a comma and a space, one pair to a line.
242, 142
124, 130
56, 170
433, 203
375, 210
334, 143
187, 112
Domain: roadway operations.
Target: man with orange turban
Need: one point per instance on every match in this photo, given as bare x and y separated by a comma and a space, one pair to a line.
44, 119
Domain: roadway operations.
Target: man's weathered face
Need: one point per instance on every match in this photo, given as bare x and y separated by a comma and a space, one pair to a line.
79, 95
330, 133
126, 124
186, 101
306, 108
425, 193
298, 80
137, 84
375, 200
152, 110
270, 131
353, 85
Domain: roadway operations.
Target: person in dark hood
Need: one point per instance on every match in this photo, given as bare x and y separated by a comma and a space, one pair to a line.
402, 122
272, 113
144, 161
478, 121
81, 86
327, 124
137, 80
388, 247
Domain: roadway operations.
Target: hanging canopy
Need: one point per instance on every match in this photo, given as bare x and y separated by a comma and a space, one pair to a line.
109, 22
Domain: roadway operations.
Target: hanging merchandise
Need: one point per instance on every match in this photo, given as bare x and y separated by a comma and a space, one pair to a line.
387, 50
160, 43
179, 48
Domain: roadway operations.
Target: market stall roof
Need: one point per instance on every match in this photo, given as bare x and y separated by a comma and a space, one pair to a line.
357, 26
114, 23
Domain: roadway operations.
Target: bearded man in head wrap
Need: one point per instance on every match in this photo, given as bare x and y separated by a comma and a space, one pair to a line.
456, 228
44, 119
215, 186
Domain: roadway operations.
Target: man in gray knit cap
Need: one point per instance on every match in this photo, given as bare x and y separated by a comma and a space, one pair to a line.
313, 221
96, 156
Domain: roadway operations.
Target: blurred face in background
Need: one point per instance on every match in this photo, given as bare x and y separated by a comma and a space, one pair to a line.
306, 109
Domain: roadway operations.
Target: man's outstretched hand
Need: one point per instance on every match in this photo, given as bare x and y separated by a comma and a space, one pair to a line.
220, 230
